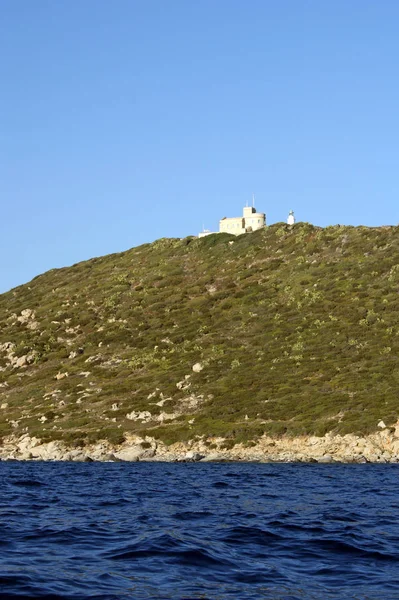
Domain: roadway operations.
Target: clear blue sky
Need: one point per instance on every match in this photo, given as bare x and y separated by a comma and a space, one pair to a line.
122, 122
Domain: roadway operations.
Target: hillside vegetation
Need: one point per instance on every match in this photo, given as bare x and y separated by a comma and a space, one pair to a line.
290, 330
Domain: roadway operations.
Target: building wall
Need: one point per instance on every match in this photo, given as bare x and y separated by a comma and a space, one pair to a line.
248, 211
255, 220
250, 221
232, 225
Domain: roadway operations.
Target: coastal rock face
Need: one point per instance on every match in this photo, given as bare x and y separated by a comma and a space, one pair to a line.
135, 453
380, 447
192, 456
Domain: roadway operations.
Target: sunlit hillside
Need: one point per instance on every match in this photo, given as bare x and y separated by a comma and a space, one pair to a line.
286, 330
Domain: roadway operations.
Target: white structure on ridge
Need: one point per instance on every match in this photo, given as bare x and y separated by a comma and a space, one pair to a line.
291, 218
250, 221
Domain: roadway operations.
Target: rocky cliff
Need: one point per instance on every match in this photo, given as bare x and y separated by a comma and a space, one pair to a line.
380, 447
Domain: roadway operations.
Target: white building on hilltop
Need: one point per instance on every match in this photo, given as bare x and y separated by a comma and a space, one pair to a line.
250, 221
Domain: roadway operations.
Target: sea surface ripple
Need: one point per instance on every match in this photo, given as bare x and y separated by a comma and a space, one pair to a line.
192, 530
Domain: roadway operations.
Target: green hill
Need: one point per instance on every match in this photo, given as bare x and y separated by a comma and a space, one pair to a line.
289, 330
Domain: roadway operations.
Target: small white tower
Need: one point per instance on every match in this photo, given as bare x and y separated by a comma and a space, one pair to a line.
291, 218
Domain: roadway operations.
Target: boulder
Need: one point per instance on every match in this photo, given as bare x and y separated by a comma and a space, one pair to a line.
147, 454
60, 376
192, 456
76, 456
327, 458
132, 454
25, 455
111, 458
214, 457
143, 415
49, 451
22, 361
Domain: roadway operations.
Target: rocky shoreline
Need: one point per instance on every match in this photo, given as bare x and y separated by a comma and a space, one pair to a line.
379, 447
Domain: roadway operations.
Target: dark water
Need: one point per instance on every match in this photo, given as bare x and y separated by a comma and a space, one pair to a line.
212, 531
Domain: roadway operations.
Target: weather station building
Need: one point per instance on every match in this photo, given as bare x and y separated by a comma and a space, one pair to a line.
250, 221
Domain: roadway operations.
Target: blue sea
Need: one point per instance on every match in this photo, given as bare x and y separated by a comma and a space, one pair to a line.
192, 530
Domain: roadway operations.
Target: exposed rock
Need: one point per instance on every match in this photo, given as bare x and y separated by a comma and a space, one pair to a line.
380, 447
112, 458
27, 317
7, 347
21, 362
161, 402
72, 330
49, 451
132, 454
144, 416
381, 424
198, 367
163, 416
325, 459
191, 402
149, 453
193, 456
185, 383
94, 359
214, 457
61, 376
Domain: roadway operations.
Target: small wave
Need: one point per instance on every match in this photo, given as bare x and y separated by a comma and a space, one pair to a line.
14, 580
253, 535
171, 549
117, 502
38, 596
271, 575
198, 557
162, 544
28, 483
190, 515
340, 547
65, 536
297, 528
